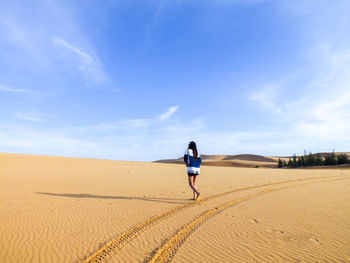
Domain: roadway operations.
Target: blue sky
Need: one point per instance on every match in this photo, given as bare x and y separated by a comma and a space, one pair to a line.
137, 80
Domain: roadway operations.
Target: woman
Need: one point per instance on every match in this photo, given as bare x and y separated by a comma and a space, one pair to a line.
193, 162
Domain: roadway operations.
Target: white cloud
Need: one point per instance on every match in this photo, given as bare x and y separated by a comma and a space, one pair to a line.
18, 35
50, 38
88, 62
3, 88
321, 112
167, 115
141, 125
327, 121
327, 112
136, 123
267, 96
23, 139
160, 6
185, 129
29, 117
128, 125
63, 43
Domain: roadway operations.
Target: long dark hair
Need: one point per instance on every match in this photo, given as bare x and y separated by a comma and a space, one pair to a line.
193, 147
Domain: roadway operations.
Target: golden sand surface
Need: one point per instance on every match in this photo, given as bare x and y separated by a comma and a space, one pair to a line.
57, 209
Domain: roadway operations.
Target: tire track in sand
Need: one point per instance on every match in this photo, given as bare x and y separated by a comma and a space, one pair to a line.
167, 251
112, 247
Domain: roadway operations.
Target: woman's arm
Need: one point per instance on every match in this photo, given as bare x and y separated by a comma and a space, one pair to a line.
187, 158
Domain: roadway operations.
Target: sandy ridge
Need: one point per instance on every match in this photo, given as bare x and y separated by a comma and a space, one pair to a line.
239, 160
112, 247
167, 251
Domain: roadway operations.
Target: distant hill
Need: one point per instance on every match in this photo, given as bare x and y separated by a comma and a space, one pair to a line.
249, 157
239, 160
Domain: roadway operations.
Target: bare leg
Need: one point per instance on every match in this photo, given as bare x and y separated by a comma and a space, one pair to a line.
190, 183
195, 191
194, 184
194, 180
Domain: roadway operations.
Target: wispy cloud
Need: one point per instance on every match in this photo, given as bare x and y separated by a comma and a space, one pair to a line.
141, 125
166, 115
159, 8
47, 34
185, 129
136, 123
88, 63
321, 112
29, 117
63, 43
266, 97
326, 112
24, 139
8, 89
329, 120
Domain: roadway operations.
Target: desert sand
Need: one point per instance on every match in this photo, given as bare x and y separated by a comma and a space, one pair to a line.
56, 209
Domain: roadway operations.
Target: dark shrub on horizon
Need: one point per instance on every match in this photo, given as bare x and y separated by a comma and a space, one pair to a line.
314, 160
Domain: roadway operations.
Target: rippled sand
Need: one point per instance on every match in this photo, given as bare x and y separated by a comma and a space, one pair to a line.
55, 209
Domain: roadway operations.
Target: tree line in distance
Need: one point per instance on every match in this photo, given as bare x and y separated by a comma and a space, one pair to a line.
314, 160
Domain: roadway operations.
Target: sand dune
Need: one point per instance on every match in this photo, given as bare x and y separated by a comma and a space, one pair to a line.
249, 157
239, 160
55, 209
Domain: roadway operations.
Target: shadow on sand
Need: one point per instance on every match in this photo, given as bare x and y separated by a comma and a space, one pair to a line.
149, 199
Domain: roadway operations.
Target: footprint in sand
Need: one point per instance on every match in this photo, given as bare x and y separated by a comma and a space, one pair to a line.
314, 240
273, 231
254, 221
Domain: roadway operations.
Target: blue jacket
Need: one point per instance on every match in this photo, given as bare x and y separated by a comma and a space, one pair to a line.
192, 165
